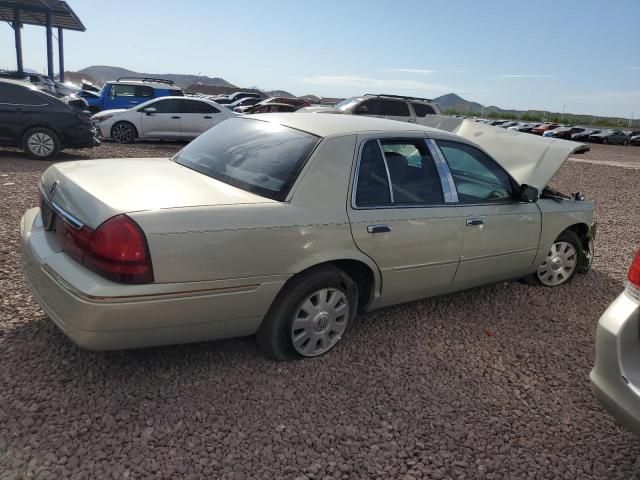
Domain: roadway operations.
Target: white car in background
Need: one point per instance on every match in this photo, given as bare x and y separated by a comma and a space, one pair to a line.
174, 118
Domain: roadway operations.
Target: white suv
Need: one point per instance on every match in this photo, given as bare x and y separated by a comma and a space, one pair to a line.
393, 107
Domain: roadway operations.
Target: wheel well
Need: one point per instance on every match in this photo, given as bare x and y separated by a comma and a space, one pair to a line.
359, 272
582, 231
135, 130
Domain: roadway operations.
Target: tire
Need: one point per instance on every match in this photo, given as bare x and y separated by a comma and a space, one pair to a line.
605, 141
566, 255
301, 321
123, 132
41, 143
625, 142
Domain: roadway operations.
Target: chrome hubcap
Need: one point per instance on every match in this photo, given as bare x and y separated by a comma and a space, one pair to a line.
559, 265
319, 322
122, 133
41, 144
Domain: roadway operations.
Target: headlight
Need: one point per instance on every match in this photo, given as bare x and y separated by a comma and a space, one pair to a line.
103, 118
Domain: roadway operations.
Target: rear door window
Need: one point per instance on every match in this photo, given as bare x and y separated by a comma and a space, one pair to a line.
16, 95
143, 91
397, 173
395, 108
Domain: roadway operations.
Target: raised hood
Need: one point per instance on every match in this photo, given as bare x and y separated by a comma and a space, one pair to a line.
528, 158
95, 190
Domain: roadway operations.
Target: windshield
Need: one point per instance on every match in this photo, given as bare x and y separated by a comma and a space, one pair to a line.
345, 104
257, 156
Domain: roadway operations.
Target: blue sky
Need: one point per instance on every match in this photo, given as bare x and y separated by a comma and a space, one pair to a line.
544, 54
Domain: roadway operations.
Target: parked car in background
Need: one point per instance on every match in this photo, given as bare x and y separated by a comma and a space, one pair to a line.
524, 127
508, 124
392, 107
610, 136
234, 97
243, 102
39, 123
128, 92
584, 136
635, 140
540, 129
615, 377
31, 76
260, 225
294, 102
273, 108
563, 132
178, 118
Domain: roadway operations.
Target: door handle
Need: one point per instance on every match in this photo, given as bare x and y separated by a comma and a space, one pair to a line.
175, 117
474, 222
208, 117
378, 228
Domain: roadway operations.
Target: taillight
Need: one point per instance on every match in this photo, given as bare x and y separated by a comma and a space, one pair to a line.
634, 271
116, 250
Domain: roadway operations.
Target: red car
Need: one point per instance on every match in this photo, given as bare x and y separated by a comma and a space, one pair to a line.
540, 129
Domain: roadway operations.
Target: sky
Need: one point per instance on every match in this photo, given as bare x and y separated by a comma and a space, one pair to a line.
582, 56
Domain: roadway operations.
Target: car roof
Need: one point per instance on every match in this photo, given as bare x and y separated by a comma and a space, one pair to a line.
22, 83
327, 125
146, 84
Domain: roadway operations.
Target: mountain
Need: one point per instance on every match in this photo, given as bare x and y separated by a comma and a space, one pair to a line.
451, 101
103, 73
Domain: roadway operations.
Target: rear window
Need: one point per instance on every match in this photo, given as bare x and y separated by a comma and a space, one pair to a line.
257, 156
423, 110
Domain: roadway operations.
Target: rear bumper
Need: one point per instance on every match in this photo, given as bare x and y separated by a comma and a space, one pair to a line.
615, 378
114, 316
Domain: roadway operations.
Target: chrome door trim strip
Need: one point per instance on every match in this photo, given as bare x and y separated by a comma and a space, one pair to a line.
449, 189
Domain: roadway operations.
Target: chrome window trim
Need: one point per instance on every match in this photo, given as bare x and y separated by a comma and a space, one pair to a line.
354, 183
449, 190
386, 167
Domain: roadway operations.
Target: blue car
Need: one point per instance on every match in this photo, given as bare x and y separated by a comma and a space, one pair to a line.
128, 92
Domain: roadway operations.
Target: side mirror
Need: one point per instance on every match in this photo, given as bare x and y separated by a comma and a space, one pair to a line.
528, 194
149, 110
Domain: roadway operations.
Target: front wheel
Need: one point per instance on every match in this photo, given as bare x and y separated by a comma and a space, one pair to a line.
310, 315
605, 141
625, 142
562, 262
41, 144
123, 132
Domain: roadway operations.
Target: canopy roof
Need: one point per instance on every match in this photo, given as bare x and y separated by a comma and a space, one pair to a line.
34, 12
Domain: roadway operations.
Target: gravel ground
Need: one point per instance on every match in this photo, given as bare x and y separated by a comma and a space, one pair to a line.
489, 383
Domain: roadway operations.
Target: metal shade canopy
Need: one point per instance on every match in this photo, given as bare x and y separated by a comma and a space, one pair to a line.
42, 13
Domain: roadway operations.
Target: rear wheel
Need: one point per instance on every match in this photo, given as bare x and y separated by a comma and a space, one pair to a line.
41, 143
562, 262
123, 132
310, 315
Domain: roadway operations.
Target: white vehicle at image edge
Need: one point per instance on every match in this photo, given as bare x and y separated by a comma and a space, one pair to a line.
170, 118
615, 378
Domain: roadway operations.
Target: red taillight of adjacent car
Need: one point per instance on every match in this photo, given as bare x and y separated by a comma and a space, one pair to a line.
116, 250
634, 271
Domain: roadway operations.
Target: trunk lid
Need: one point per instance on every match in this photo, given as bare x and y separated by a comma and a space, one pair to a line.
94, 190
529, 159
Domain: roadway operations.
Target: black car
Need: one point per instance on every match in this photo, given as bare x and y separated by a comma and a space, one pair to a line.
41, 124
